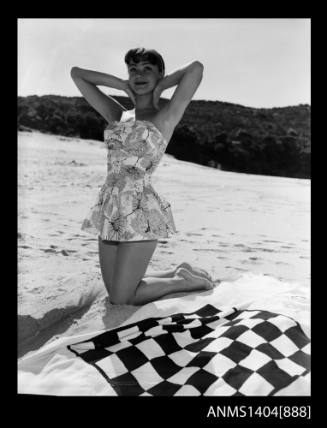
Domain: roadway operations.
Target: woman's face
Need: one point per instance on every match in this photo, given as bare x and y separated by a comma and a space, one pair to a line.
143, 77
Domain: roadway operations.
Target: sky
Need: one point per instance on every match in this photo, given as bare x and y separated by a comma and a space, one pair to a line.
253, 62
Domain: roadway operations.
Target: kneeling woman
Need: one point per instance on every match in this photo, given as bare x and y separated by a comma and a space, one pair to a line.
129, 216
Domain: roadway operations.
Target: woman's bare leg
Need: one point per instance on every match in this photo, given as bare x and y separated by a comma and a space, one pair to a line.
172, 272
160, 273
129, 285
107, 258
132, 260
150, 289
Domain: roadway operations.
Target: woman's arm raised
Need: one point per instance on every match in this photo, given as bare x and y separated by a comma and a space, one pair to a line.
187, 79
87, 81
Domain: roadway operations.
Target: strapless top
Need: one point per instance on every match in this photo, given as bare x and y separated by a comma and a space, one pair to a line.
127, 207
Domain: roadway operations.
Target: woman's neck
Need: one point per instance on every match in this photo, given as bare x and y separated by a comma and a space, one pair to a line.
145, 113
144, 104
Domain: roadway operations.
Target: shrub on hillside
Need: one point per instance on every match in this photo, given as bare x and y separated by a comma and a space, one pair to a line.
238, 138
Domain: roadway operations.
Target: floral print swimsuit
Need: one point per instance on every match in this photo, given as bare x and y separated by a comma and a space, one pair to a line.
127, 207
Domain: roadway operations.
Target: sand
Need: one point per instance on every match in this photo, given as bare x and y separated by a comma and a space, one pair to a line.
233, 225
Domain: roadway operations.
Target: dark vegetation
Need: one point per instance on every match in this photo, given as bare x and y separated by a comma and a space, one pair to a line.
274, 141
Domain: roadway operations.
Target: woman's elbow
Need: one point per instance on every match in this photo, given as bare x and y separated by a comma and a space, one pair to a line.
197, 69
74, 71
198, 65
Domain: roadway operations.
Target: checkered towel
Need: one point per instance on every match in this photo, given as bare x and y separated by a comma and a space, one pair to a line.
206, 352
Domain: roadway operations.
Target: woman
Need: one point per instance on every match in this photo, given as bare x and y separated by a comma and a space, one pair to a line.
129, 215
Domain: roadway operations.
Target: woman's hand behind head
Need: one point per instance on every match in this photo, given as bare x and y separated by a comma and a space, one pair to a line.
128, 90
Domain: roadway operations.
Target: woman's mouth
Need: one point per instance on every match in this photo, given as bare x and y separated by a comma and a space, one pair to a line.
141, 83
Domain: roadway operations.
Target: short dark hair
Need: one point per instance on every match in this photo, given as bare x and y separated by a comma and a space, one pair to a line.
141, 54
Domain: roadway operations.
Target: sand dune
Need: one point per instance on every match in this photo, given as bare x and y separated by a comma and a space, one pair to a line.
229, 224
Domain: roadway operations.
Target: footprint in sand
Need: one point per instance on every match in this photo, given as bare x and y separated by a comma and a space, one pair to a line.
236, 268
193, 234
92, 252
49, 250
265, 250
207, 249
253, 259
36, 290
54, 250
68, 252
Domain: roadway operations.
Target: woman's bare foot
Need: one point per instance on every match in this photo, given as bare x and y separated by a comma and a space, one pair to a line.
195, 271
193, 281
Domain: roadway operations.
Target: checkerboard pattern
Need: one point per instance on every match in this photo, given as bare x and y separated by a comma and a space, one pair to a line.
206, 352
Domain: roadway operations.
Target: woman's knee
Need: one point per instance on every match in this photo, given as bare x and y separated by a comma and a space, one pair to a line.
118, 297
107, 258
131, 264
120, 301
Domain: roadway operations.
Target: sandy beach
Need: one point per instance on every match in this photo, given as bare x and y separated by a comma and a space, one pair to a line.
230, 224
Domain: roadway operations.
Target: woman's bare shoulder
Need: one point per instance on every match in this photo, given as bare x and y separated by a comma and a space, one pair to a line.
162, 123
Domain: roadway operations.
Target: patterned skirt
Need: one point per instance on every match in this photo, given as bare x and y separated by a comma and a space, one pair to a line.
130, 215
